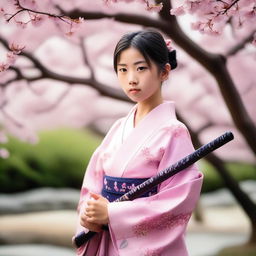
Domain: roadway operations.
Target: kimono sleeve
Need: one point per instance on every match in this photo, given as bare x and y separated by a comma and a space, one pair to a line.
94, 172
92, 182
156, 225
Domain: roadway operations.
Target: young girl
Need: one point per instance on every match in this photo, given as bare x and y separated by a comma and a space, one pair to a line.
146, 141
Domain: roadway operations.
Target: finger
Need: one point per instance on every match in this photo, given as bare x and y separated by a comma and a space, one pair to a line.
91, 210
88, 215
83, 222
91, 220
83, 217
91, 204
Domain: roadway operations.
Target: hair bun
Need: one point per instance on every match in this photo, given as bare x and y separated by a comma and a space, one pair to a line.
172, 59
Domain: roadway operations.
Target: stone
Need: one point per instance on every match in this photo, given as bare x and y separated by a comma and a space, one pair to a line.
42, 199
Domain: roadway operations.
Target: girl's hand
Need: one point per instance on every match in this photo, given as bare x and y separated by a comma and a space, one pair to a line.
97, 210
91, 226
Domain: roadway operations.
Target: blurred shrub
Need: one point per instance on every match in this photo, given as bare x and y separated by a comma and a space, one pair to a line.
247, 249
213, 181
58, 160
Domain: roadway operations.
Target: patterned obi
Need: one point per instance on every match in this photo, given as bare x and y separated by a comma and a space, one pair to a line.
115, 187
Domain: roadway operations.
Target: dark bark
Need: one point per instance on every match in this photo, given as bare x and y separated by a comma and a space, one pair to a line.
216, 65
102, 89
241, 197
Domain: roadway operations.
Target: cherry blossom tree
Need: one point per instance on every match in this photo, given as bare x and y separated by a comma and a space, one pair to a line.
56, 65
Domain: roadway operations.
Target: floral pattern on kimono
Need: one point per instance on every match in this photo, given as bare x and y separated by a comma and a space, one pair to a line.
164, 221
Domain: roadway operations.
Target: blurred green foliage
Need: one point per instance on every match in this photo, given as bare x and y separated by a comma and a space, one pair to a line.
60, 159
248, 249
213, 181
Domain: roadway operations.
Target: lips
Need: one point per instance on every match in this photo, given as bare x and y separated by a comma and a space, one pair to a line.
134, 90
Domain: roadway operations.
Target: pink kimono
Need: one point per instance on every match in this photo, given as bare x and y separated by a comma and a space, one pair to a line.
153, 225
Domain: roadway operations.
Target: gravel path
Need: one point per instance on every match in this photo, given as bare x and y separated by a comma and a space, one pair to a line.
199, 244
28, 231
35, 250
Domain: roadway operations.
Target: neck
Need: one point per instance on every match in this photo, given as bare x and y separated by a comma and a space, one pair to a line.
144, 107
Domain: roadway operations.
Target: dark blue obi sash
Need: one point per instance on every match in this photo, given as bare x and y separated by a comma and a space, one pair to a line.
115, 187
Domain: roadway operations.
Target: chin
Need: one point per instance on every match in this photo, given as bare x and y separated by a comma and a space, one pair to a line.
133, 100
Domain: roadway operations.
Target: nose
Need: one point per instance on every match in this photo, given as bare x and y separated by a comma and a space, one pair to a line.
133, 83
133, 79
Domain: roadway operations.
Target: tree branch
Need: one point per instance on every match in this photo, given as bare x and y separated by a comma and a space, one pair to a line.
18, 76
86, 60
229, 7
242, 198
102, 89
120, 17
55, 104
214, 63
24, 9
9, 117
203, 127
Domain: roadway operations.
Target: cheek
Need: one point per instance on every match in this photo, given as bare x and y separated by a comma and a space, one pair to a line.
121, 81
150, 91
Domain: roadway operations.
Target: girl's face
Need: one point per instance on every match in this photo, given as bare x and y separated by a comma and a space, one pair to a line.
140, 82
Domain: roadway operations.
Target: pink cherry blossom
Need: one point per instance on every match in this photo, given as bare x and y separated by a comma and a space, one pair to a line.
3, 67
37, 20
210, 14
169, 44
178, 11
154, 7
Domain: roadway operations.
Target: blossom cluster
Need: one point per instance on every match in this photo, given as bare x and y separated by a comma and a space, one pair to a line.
150, 5
27, 12
213, 15
11, 56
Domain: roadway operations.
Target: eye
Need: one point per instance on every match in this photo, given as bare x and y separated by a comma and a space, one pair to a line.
122, 70
141, 68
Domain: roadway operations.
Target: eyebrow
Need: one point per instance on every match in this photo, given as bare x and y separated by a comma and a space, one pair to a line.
135, 63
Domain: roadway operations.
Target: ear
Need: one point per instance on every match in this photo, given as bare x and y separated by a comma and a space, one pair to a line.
165, 72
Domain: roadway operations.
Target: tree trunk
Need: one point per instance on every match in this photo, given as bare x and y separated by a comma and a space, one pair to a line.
241, 197
216, 65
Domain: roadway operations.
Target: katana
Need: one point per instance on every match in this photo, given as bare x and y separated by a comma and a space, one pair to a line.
163, 175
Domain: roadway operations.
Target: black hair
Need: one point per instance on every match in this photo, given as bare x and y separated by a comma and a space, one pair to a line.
151, 45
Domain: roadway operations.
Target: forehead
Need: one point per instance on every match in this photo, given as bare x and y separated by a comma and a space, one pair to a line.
130, 55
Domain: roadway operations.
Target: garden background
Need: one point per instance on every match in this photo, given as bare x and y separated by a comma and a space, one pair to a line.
59, 95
